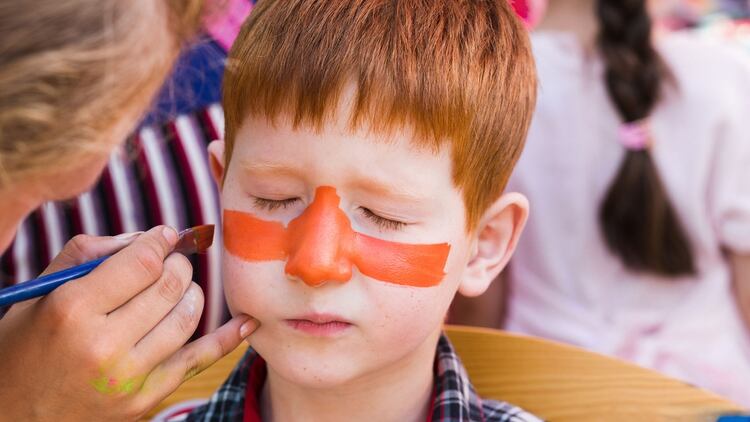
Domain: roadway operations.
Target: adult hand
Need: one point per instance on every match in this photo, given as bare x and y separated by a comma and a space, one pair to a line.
111, 345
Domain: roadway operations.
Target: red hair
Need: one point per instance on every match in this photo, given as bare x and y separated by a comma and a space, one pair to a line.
460, 73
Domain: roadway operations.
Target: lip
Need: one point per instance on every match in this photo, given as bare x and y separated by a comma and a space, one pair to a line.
320, 325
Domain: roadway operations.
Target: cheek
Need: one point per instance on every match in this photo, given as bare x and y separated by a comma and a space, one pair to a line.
424, 309
403, 311
405, 318
406, 315
252, 288
400, 263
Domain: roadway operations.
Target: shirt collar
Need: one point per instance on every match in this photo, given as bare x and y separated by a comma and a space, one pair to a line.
454, 398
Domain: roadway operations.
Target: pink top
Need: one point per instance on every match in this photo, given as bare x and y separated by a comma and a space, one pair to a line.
566, 286
225, 25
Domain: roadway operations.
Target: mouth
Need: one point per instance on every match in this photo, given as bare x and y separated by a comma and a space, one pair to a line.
321, 325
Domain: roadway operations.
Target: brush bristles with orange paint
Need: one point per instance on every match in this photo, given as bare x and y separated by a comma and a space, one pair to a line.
193, 240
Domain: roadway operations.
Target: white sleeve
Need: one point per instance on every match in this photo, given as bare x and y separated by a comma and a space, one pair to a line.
729, 194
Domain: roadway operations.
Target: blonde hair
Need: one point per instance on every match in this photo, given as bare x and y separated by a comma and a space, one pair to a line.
459, 72
70, 68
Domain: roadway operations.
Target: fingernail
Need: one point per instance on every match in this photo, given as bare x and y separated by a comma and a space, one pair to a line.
127, 237
247, 328
170, 234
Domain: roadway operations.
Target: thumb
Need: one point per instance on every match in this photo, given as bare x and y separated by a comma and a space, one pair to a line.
83, 248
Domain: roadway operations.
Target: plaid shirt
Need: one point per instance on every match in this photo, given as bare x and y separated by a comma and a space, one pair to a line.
455, 399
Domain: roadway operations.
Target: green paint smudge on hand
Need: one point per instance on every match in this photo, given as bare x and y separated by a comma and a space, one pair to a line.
101, 384
108, 385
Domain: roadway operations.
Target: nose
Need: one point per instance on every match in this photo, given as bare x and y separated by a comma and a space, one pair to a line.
320, 241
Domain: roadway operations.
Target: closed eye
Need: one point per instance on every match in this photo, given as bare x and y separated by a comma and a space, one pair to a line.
382, 222
271, 204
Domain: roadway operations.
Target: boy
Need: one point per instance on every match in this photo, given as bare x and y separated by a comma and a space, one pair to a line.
367, 146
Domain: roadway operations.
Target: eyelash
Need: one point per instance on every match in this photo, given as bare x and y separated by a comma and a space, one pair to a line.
383, 223
272, 205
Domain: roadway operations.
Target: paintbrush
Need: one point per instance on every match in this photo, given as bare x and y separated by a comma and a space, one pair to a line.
193, 240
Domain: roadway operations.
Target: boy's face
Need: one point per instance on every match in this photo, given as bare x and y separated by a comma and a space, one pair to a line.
325, 235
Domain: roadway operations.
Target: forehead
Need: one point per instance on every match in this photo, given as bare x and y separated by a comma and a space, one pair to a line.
335, 151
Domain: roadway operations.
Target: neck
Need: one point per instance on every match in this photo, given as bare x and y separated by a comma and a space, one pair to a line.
400, 392
577, 17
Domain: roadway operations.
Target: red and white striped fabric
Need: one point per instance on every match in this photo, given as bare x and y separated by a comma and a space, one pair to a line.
161, 176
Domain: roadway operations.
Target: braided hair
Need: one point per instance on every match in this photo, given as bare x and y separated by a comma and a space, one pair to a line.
636, 217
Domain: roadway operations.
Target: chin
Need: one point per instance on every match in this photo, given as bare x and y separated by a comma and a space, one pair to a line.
308, 373
5, 240
10, 221
301, 366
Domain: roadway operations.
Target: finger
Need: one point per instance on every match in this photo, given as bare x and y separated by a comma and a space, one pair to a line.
80, 249
83, 248
141, 314
194, 358
126, 273
170, 333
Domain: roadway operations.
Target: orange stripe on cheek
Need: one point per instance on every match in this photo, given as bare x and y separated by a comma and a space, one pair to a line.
253, 239
401, 263
321, 246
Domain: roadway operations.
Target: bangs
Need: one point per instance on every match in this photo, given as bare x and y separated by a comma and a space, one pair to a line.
456, 72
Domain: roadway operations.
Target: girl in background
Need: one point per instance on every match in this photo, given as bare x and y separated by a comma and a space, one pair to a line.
637, 166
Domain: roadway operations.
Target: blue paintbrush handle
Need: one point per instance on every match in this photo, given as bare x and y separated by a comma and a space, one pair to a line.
45, 284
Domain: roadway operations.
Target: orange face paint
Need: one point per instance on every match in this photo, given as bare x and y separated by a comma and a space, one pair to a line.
321, 246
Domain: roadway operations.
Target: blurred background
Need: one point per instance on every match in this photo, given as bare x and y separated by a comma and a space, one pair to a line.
725, 20
690, 324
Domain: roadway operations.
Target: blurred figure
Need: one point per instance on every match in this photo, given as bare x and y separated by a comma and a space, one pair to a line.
679, 14
529, 10
636, 167
738, 9
75, 78
161, 178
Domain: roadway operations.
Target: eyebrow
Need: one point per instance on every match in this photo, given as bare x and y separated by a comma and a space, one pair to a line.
362, 182
266, 168
388, 190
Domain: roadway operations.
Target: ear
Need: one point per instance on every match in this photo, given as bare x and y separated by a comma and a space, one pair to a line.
497, 236
216, 161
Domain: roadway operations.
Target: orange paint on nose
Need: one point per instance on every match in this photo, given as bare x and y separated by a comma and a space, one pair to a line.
320, 242
321, 246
